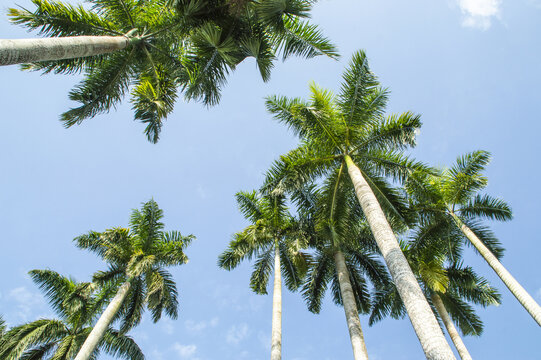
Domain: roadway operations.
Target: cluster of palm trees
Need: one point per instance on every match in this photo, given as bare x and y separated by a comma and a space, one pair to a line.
358, 200
136, 278
346, 210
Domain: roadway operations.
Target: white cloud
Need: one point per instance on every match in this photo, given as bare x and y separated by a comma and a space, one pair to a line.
198, 326
26, 302
479, 13
185, 351
237, 333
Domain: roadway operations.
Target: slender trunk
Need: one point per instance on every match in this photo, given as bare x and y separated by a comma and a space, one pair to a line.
512, 284
103, 323
451, 329
58, 48
350, 308
421, 316
276, 337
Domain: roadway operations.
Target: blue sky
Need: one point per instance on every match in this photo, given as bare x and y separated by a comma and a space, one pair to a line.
470, 67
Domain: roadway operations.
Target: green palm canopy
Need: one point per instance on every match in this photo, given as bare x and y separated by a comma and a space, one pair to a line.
137, 258
349, 132
77, 306
162, 46
452, 207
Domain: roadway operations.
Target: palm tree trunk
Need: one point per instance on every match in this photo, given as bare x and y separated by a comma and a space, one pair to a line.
57, 48
421, 316
350, 308
451, 329
512, 284
276, 337
103, 323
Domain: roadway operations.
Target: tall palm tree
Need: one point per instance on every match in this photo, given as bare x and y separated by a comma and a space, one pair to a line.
156, 47
446, 282
77, 305
274, 238
451, 201
349, 131
137, 260
345, 255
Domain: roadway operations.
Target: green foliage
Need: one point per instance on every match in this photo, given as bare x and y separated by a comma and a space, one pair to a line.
191, 46
339, 227
272, 232
439, 270
140, 255
437, 196
77, 305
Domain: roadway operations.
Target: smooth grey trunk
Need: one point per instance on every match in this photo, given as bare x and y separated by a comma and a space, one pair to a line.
103, 323
420, 314
451, 329
57, 48
350, 308
512, 284
276, 337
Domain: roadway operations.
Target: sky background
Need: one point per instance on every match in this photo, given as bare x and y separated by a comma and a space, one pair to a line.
470, 67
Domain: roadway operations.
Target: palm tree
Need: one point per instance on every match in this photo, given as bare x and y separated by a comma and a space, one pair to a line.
158, 46
137, 259
451, 201
349, 131
77, 305
345, 255
445, 281
275, 239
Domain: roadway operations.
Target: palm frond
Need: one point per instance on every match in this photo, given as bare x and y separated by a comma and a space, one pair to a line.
262, 270
487, 207
102, 89
53, 18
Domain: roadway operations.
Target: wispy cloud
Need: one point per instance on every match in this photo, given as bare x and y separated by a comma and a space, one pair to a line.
26, 302
199, 326
185, 351
479, 13
237, 333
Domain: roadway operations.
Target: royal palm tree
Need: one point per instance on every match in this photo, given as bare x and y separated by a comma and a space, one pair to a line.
446, 282
156, 47
345, 255
274, 238
349, 131
451, 201
77, 306
137, 260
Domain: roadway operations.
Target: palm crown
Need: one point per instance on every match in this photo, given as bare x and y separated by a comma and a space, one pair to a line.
436, 198
139, 255
186, 44
272, 229
77, 305
339, 227
350, 124
443, 274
